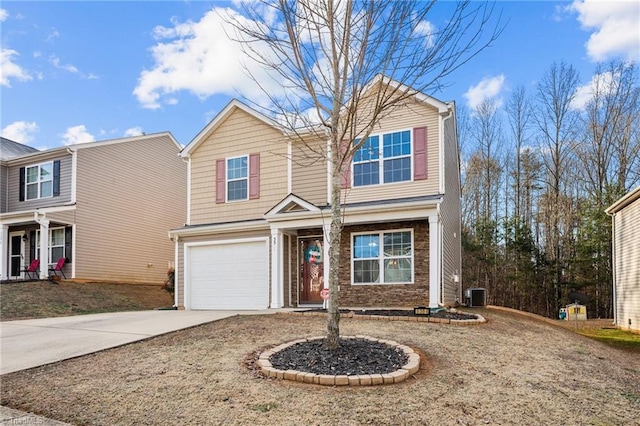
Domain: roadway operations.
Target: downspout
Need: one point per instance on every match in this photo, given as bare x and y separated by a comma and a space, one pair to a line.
74, 173
188, 161
175, 271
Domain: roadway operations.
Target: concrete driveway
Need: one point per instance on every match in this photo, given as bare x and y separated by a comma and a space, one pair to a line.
30, 343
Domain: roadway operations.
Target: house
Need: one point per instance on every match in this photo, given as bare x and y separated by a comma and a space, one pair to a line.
625, 216
104, 206
258, 214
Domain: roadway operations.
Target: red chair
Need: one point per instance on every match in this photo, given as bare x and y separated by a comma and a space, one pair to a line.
32, 269
58, 268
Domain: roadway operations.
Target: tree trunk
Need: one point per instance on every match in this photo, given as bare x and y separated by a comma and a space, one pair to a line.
333, 312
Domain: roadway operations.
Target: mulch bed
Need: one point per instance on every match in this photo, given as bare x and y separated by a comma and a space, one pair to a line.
401, 313
353, 357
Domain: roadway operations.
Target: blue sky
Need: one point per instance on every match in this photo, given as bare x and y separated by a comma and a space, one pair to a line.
79, 71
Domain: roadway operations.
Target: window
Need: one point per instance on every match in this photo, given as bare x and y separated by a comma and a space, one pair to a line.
382, 257
56, 244
39, 181
237, 179
392, 160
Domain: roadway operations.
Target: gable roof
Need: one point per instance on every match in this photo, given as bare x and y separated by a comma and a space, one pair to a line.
291, 204
234, 104
442, 107
218, 119
10, 149
624, 201
87, 145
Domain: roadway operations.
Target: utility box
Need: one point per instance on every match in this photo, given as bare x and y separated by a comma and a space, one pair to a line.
576, 312
476, 297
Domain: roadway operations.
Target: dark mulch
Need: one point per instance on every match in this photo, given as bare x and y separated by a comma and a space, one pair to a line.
353, 357
402, 313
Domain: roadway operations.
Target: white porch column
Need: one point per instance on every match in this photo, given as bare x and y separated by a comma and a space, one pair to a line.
434, 261
44, 248
277, 254
326, 227
4, 252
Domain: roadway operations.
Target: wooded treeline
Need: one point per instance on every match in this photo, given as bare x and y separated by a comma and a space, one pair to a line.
537, 175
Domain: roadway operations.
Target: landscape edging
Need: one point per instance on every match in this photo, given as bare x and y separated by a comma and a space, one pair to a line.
411, 367
479, 320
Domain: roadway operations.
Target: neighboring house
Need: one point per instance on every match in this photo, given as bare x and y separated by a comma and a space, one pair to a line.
625, 215
258, 215
104, 206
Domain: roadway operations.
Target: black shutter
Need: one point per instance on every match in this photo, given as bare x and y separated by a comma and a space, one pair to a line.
56, 178
32, 246
22, 182
68, 236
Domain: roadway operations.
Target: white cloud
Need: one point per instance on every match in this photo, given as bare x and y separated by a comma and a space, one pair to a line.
9, 69
602, 83
53, 34
3, 15
55, 61
77, 134
20, 131
134, 131
487, 88
198, 57
426, 29
616, 25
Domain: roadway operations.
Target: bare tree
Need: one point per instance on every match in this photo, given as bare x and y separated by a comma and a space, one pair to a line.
344, 65
556, 121
519, 116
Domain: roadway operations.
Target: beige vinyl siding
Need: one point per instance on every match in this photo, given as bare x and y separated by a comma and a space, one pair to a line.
406, 118
239, 134
129, 195
4, 178
451, 217
309, 174
63, 217
627, 265
66, 172
232, 235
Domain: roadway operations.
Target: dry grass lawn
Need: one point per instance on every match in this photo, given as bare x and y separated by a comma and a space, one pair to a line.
42, 299
511, 370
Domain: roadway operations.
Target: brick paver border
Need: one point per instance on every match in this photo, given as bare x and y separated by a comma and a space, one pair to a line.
400, 375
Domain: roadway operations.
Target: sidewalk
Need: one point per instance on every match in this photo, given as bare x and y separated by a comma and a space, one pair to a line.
31, 343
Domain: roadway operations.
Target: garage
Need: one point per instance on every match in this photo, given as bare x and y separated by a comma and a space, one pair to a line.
227, 275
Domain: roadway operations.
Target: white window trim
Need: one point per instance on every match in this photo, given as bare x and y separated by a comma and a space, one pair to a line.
52, 261
381, 257
38, 183
227, 180
381, 159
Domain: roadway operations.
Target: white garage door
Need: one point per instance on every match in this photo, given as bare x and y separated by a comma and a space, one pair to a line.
231, 275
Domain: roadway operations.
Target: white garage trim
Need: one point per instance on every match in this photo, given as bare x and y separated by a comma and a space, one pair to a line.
253, 278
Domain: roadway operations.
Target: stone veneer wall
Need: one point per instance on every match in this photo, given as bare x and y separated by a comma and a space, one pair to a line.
387, 295
382, 295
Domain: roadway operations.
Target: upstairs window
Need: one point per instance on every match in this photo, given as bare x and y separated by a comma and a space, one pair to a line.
391, 159
39, 181
237, 179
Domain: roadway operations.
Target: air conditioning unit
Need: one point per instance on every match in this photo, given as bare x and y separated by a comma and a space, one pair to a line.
476, 297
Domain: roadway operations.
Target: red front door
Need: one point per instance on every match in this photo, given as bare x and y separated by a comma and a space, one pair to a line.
311, 270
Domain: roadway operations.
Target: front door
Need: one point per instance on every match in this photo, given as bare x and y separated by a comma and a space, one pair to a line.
311, 270
16, 254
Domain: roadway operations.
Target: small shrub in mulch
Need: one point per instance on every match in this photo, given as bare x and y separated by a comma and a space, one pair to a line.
353, 357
